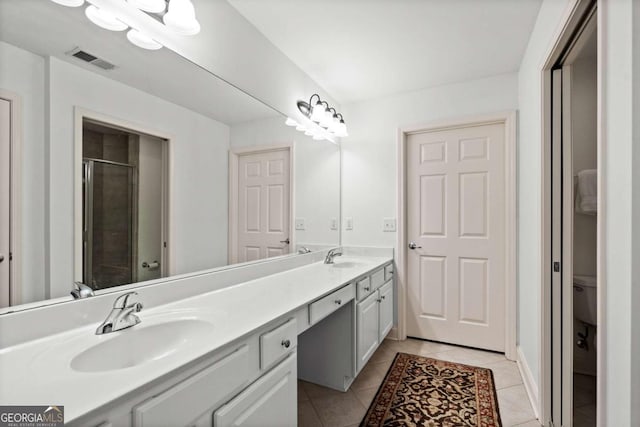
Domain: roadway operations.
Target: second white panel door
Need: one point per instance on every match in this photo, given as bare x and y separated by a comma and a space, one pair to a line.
456, 223
263, 205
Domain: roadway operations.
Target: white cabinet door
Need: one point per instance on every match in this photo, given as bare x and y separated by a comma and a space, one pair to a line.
269, 402
386, 309
367, 328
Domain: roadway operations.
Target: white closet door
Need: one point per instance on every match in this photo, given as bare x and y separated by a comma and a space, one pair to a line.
263, 205
456, 218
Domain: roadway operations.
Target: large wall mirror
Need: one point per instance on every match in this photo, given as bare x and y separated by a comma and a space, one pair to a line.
121, 165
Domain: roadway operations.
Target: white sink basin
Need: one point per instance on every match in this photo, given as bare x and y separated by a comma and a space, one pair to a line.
139, 344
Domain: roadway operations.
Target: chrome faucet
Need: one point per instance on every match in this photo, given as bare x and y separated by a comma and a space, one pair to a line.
122, 315
332, 254
304, 250
81, 291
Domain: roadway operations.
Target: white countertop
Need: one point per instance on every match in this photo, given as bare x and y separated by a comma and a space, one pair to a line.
39, 372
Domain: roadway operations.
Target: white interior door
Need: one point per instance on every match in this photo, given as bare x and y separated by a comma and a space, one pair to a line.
150, 208
5, 209
263, 205
456, 221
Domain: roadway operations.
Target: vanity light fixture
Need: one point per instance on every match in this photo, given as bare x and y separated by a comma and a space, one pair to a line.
151, 6
180, 18
104, 19
320, 120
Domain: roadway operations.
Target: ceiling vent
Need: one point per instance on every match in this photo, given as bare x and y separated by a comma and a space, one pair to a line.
91, 59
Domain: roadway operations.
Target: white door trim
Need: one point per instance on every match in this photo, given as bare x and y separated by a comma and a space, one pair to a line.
15, 242
572, 18
168, 260
234, 157
508, 118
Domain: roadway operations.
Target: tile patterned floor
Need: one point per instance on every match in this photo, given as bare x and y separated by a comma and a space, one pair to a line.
319, 406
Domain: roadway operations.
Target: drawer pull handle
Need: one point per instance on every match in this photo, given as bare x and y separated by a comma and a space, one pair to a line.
286, 343
367, 288
338, 301
383, 297
379, 300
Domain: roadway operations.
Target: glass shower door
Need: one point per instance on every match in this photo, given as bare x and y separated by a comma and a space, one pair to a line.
109, 190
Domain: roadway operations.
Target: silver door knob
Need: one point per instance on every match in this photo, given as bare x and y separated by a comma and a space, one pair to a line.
286, 241
413, 245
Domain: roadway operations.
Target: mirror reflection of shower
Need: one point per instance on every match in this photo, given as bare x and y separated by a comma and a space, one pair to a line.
123, 194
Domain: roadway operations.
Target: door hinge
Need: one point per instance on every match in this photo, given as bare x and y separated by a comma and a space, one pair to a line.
556, 267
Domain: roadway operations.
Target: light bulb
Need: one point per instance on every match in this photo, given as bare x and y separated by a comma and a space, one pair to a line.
341, 129
290, 122
317, 114
181, 18
142, 40
69, 3
326, 119
153, 6
104, 19
335, 123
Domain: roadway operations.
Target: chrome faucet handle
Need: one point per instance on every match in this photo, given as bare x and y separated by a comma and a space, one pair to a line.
80, 291
125, 300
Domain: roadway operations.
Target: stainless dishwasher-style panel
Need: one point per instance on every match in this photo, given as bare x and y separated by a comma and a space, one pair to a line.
321, 308
277, 343
193, 396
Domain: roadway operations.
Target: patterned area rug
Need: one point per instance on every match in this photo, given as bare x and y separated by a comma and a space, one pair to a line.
419, 391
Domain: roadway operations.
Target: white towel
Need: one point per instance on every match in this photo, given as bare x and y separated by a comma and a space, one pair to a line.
587, 200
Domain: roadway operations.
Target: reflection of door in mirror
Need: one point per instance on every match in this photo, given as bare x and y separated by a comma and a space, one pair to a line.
262, 194
123, 202
5, 199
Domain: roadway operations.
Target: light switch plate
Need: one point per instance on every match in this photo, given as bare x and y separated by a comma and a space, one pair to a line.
334, 223
348, 223
389, 224
299, 223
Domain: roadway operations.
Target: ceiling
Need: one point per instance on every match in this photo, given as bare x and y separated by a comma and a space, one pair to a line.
363, 49
48, 29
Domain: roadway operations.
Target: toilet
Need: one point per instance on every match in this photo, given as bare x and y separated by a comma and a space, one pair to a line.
585, 320
585, 299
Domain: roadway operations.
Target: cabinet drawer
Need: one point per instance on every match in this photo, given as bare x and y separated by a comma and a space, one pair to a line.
363, 287
187, 400
388, 272
270, 401
277, 343
323, 307
377, 279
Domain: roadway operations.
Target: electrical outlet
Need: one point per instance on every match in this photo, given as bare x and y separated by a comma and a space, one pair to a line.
389, 224
348, 223
299, 223
334, 223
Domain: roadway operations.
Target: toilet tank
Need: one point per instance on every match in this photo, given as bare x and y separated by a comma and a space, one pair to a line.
585, 303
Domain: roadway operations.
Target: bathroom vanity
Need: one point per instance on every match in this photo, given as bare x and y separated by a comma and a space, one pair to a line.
227, 357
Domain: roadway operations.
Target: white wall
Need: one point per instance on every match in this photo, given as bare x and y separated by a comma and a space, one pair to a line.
370, 152
199, 182
584, 134
317, 176
22, 73
529, 168
620, 174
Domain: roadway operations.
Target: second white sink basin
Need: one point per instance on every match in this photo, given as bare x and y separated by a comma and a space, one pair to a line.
139, 344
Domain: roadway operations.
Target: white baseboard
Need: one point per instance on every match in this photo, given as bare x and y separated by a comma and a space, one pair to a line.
393, 334
529, 382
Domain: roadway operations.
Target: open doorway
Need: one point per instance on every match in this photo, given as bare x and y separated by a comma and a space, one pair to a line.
124, 194
570, 288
